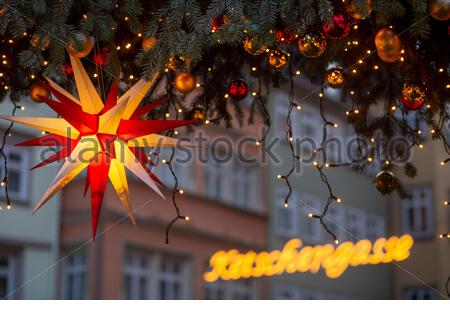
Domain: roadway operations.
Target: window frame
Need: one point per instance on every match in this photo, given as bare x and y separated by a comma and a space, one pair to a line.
24, 194
245, 177
11, 273
310, 230
407, 204
154, 275
292, 209
80, 269
219, 173
359, 226
420, 290
247, 288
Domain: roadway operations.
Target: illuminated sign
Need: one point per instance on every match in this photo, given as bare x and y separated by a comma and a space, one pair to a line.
334, 260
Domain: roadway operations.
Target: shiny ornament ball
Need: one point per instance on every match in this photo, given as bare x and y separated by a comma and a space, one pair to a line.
439, 9
68, 69
387, 41
285, 37
37, 91
354, 12
41, 43
178, 63
385, 182
339, 27
238, 89
148, 43
254, 46
198, 114
277, 58
87, 45
184, 82
312, 44
335, 77
413, 95
100, 58
218, 22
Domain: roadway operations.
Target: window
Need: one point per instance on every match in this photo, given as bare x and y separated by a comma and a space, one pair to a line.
311, 295
334, 143
18, 173
74, 276
286, 221
183, 170
154, 276
216, 178
280, 124
309, 130
335, 221
170, 279
417, 212
136, 276
375, 227
216, 290
244, 186
310, 229
8, 277
286, 292
244, 289
420, 293
355, 224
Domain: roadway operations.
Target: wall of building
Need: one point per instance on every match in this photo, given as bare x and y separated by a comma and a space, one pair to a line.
428, 268
31, 240
359, 199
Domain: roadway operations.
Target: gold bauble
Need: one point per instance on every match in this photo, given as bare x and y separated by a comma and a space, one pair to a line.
277, 58
88, 44
38, 90
312, 44
353, 10
389, 57
185, 82
148, 43
3, 10
39, 43
385, 182
413, 95
335, 77
439, 9
178, 63
387, 42
254, 46
198, 114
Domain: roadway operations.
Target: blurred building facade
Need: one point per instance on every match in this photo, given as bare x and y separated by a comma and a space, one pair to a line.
29, 244
425, 216
361, 215
232, 204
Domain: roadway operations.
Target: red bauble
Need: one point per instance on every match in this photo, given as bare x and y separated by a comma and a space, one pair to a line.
217, 23
238, 89
413, 95
412, 105
339, 26
67, 69
100, 58
285, 37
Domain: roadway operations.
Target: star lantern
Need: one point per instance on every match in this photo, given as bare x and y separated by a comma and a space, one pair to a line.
105, 138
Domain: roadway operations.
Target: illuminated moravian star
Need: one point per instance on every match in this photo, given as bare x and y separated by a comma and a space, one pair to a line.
104, 137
